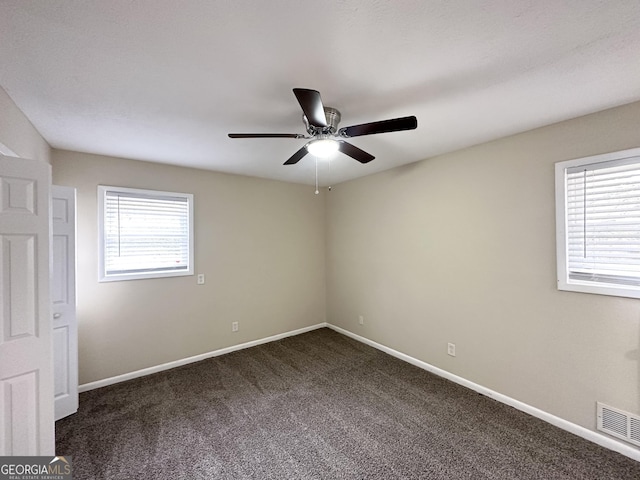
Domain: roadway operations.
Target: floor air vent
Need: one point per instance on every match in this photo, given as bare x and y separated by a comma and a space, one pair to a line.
618, 423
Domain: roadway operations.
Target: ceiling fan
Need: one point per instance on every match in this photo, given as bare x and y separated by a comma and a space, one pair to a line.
322, 127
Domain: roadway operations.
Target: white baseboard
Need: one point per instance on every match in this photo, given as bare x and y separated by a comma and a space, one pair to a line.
578, 430
196, 358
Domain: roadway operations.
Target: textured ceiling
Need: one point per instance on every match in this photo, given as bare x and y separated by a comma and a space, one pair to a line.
166, 80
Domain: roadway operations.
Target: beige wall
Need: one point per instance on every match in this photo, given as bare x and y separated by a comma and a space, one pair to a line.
461, 248
18, 134
260, 244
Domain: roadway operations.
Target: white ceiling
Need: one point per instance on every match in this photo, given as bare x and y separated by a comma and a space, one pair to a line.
166, 80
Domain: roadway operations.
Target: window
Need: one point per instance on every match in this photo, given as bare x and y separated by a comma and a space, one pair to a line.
598, 224
144, 233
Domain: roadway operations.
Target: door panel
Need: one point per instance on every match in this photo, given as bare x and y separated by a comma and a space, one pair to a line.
61, 364
26, 367
18, 294
63, 297
20, 394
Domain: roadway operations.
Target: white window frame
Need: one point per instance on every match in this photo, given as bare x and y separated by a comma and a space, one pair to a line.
102, 275
564, 282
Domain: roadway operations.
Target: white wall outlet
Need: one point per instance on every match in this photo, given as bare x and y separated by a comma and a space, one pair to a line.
361, 319
451, 349
201, 279
234, 326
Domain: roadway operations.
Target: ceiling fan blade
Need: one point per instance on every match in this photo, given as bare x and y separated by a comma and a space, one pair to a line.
383, 126
355, 152
296, 157
311, 105
265, 135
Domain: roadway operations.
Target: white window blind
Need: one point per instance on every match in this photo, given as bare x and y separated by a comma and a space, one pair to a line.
145, 234
602, 223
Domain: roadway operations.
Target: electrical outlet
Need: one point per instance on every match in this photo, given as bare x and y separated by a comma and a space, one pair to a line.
361, 319
201, 279
234, 326
451, 349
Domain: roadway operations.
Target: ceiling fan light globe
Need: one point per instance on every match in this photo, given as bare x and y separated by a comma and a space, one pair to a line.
322, 148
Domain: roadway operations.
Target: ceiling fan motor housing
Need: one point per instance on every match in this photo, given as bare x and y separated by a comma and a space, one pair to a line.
333, 119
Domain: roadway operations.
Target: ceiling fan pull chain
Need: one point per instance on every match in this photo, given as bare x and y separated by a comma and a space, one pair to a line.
317, 191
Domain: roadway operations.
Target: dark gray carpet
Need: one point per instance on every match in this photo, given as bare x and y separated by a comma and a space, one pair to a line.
316, 406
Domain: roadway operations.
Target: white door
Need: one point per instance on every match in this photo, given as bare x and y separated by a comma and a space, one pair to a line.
63, 298
26, 353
